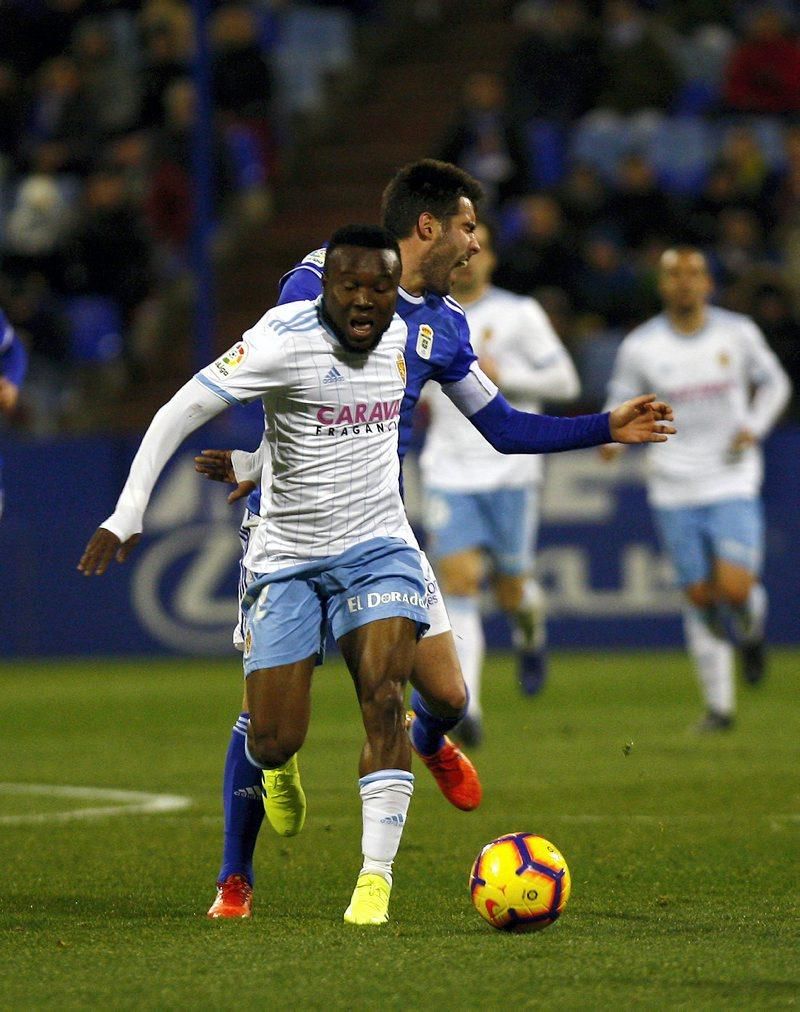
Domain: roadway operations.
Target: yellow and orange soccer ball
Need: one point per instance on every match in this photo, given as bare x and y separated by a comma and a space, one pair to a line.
520, 882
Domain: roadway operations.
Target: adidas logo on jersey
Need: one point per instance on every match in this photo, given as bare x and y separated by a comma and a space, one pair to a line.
334, 376
393, 820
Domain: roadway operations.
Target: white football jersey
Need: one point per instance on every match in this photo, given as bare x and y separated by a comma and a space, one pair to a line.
707, 377
516, 334
331, 428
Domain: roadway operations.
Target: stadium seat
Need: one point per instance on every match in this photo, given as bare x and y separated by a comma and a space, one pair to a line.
544, 142
95, 328
599, 140
680, 151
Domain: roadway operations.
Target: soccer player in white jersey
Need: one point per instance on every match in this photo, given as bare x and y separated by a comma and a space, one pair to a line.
728, 389
479, 502
334, 547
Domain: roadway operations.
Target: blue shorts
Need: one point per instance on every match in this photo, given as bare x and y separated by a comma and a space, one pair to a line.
502, 522
288, 611
695, 536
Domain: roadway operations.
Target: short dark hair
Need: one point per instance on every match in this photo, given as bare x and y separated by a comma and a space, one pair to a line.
426, 185
367, 236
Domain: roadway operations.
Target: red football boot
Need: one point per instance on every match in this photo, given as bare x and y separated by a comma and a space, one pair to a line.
234, 898
456, 776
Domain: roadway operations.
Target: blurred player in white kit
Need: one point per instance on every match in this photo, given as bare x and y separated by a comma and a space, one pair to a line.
728, 389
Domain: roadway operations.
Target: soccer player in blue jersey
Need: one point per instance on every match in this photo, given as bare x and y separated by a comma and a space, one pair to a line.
430, 207
13, 366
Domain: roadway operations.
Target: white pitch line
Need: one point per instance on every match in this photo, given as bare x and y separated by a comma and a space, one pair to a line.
131, 803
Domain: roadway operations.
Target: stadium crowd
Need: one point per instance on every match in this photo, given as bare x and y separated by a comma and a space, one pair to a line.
618, 128
97, 107
621, 128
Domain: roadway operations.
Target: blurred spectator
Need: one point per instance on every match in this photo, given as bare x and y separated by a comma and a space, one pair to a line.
109, 251
555, 70
485, 141
720, 193
741, 246
243, 91
583, 197
167, 54
638, 71
110, 82
786, 196
169, 200
638, 207
763, 74
12, 111
753, 176
773, 311
36, 230
60, 134
606, 286
34, 313
542, 254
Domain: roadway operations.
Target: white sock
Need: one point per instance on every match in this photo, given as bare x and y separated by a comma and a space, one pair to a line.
749, 619
465, 618
713, 659
529, 629
385, 797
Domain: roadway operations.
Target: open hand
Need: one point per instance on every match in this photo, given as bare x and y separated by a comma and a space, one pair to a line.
642, 419
104, 546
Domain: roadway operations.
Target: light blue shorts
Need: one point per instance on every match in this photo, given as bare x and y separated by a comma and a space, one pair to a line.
502, 522
694, 536
288, 612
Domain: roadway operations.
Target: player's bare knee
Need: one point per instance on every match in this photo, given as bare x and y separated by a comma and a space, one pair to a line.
736, 593
509, 595
270, 750
383, 707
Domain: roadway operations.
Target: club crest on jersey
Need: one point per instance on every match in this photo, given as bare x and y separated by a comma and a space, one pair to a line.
400, 362
424, 341
248, 643
230, 361
724, 359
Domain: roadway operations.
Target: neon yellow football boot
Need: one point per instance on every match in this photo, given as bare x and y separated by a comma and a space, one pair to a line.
369, 903
284, 798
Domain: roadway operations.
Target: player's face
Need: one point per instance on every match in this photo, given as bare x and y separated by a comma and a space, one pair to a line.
477, 273
684, 281
360, 293
454, 245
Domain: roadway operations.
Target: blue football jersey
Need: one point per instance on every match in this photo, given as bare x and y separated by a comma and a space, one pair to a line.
438, 345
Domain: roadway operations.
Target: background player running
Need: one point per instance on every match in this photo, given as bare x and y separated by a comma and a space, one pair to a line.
716, 368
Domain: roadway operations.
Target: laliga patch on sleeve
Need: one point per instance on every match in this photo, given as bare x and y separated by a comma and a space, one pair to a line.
316, 258
230, 361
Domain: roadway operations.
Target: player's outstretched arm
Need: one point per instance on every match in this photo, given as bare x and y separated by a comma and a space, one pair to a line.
192, 405
642, 419
218, 466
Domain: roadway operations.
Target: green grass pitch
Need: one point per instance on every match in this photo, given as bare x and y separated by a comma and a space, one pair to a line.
684, 850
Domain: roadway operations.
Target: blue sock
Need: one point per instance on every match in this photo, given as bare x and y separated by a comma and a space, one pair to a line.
428, 730
242, 805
